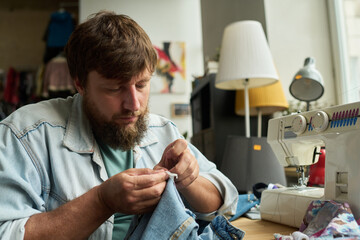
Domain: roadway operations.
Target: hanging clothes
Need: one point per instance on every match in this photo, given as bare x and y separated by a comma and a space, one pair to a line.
11, 87
59, 29
57, 80
2, 110
39, 80
26, 87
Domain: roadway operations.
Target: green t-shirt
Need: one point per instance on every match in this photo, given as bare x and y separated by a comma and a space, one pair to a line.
117, 161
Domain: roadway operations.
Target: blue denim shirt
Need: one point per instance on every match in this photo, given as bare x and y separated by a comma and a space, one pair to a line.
49, 156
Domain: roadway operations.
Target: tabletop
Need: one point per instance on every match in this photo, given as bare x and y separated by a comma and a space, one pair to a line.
261, 229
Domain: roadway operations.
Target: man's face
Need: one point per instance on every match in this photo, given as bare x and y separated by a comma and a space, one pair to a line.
117, 111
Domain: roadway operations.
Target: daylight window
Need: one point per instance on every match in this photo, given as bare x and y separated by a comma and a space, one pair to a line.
345, 22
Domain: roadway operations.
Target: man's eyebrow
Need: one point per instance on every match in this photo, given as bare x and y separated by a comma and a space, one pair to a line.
145, 79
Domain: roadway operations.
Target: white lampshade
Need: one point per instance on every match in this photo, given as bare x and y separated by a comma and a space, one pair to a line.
245, 54
245, 61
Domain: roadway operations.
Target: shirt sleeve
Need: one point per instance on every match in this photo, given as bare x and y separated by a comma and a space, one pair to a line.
20, 186
226, 188
13, 230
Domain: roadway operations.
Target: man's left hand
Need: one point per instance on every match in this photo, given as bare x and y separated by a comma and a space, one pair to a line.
178, 159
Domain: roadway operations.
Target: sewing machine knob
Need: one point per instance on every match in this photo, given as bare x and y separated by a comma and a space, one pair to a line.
320, 121
298, 124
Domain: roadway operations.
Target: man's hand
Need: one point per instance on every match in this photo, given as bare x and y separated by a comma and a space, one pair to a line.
134, 191
178, 159
202, 195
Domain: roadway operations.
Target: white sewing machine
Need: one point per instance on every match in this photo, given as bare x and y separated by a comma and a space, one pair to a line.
296, 141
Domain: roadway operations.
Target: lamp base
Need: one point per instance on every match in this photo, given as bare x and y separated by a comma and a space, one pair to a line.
248, 161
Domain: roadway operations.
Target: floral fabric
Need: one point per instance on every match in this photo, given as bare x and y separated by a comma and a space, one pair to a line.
326, 220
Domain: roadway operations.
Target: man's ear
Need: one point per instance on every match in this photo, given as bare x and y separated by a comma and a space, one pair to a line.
79, 87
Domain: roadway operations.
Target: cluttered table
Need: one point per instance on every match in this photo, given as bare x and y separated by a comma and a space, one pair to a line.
261, 229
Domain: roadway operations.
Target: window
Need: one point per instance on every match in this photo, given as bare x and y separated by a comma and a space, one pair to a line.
345, 22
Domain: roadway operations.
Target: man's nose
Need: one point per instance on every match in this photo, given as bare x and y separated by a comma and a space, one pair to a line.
131, 101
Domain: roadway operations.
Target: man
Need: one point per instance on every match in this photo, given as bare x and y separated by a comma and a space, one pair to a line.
79, 168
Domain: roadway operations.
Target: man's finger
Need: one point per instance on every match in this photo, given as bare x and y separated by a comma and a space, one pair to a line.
177, 148
152, 192
144, 200
139, 171
150, 179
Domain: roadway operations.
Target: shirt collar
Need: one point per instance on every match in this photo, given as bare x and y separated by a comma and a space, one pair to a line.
149, 138
78, 136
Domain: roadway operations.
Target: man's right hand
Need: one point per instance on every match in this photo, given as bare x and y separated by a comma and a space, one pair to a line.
134, 191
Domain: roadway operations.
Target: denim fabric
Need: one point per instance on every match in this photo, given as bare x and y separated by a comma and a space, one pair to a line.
172, 220
49, 156
245, 203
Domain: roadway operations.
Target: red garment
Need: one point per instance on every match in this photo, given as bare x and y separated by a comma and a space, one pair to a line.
317, 171
12, 87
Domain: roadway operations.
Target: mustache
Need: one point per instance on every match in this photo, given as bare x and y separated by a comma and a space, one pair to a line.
127, 114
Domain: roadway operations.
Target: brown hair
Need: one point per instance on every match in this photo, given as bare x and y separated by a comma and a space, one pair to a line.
113, 45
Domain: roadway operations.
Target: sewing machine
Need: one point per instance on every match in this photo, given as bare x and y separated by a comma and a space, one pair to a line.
296, 141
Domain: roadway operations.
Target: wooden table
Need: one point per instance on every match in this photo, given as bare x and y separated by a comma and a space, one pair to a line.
261, 229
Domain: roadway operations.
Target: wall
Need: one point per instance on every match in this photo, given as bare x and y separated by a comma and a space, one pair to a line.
21, 44
176, 20
297, 29
216, 15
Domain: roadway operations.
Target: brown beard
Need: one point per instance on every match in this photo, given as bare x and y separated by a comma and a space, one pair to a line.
115, 135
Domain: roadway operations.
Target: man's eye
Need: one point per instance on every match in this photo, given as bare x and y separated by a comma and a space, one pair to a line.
114, 89
141, 85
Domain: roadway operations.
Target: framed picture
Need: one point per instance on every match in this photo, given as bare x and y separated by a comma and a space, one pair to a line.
170, 74
180, 109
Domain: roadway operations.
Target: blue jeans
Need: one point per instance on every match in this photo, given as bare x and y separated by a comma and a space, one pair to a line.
171, 220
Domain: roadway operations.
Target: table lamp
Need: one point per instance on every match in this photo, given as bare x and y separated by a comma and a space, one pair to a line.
307, 84
245, 61
262, 101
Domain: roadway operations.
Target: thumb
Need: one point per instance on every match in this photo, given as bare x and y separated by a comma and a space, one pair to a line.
159, 167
